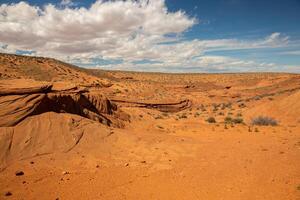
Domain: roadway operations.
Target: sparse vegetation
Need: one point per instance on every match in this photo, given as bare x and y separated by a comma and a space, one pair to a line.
264, 121
197, 114
230, 120
238, 120
182, 116
239, 115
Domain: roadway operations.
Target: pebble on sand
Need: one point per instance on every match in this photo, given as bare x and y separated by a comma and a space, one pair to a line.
19, 173
8, 194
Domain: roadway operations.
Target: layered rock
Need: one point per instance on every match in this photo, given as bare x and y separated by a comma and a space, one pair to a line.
18, 101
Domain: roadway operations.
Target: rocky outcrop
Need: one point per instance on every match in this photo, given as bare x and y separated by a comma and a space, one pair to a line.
163, 107
18, 102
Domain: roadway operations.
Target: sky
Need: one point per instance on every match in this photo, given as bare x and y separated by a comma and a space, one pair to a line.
213, 36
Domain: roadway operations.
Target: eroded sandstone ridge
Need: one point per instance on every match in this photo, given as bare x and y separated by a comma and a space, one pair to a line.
23, 98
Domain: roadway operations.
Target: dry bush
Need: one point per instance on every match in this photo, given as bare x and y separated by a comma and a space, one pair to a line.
237, 120
211, 120
264, 121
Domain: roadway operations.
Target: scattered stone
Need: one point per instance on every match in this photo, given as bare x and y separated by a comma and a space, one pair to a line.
8, 194
65, 172
19, 173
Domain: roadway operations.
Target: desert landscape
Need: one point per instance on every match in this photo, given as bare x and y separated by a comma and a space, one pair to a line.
73, 133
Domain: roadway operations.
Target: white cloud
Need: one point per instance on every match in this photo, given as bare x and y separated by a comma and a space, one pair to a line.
67, 3
117, 30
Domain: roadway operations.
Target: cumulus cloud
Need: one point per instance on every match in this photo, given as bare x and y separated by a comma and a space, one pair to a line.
130, 31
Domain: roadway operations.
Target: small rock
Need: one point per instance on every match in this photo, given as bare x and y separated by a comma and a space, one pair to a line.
8, 194
32, 162
19, 173
144, 161
97, 166
65, 173
126, 164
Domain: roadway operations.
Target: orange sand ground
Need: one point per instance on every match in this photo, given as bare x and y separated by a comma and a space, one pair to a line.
155, 155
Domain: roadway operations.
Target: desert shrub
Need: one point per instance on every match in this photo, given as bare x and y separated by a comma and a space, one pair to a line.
197, 114
211, 120
264, 121
228, 105
228, 119
182, 116
238, 120
239, 115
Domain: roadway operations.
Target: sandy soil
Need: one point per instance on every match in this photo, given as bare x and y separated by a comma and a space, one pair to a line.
166, 150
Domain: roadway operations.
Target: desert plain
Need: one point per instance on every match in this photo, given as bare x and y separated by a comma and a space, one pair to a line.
73, 133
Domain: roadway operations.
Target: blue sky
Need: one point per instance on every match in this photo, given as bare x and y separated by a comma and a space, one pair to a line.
157, 35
